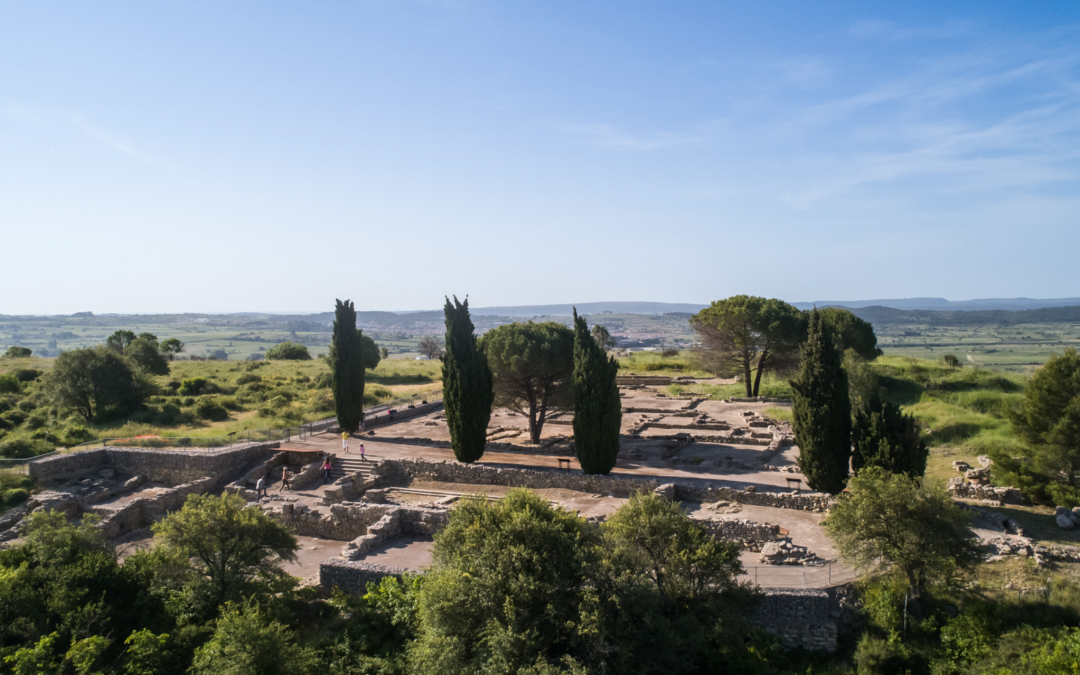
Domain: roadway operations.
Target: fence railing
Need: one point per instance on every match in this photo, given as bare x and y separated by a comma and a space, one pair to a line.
261, 435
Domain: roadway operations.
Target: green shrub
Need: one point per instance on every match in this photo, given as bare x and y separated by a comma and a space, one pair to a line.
28, 374
170, 414
76, 434
248, 378
14, 496
194, 386
27, 405
14, 417
230, 403
188, 401
209, 409
21, 448
18, 352
37, 420
288, 351
9, 384
875, 656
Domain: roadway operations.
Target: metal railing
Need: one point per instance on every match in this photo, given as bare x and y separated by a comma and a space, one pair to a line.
261, 435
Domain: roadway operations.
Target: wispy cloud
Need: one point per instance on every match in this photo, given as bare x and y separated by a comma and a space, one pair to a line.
53, 119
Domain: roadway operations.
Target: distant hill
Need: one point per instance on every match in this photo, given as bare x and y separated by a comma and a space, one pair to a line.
888, 315
941, 304
590, 308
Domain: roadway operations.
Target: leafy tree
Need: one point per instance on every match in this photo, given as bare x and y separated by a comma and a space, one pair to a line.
863, 383
850, 332
821, 410
18, 352
145, 354
171, 347
91, 381
384, 352
885, 437
890, 520
504, 587
744, 334
149, 654
531, 364
467, 384
119, 340
430, 346
950, 360
346, 360
1048, 421
603, 337
288, 351
247, 641
370, 352
233, 550
669, 598
597, 406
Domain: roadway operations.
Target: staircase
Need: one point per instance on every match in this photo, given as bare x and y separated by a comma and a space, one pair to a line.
350, 465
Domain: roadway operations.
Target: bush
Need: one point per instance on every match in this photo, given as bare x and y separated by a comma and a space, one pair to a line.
209, 409
14, 417
288, 351
218, 355
248, 378
188, 401
9, 384
194, 386
170, 414
256, 356
18, 352
26, 405
37, 420
21, 448
76, 434
28, 374
230, 403
14, 496
875, 656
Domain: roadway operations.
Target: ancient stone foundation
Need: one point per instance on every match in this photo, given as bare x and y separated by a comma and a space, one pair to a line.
800, 618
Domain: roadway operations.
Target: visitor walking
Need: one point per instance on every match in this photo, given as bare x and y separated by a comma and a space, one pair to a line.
345, 441
326, 466
260, 488
362, 458
285, 479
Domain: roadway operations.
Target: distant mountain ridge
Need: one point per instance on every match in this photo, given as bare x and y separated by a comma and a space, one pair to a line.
941, 304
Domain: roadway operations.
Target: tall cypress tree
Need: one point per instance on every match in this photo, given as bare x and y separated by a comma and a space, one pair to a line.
597, 407
347, 368
883, 436
822, 411
467, 384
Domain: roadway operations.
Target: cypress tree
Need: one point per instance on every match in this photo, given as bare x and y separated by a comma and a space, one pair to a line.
347, 368
887, 438
597, 407
822, 411
467, 384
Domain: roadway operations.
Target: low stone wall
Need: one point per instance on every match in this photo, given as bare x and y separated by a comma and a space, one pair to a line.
352, 576
1006, 495
395, 471
800, 618
169, 466
746, 533
146, 511
759, 399
395, 522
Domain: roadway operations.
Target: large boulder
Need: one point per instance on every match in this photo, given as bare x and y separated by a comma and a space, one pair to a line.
1064, 522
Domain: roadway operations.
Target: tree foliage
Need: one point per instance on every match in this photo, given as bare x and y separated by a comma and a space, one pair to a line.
885, 437
171, 347
821, 411
890, 520
370, 352
747, 336
603, 338
431, 347
119, 340
467, 384
18, 352
247, 641
144, 353
288, 351
531, 364
93, 381
346, 360
850, 332
597, 406
233, 550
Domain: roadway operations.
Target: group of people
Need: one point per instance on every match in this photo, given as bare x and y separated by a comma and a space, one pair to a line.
327, 467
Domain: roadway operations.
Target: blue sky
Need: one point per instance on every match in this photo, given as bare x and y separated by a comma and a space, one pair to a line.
261, 156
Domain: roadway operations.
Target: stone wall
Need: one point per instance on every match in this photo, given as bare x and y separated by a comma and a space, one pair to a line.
396, 521
352, 576
1006, 495
146, 511
746, 533
397, 471
800, 618
169, 466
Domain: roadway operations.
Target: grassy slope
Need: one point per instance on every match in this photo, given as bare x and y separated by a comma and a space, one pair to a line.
297, 382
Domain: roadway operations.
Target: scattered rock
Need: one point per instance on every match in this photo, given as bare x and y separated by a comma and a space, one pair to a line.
1064, 522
